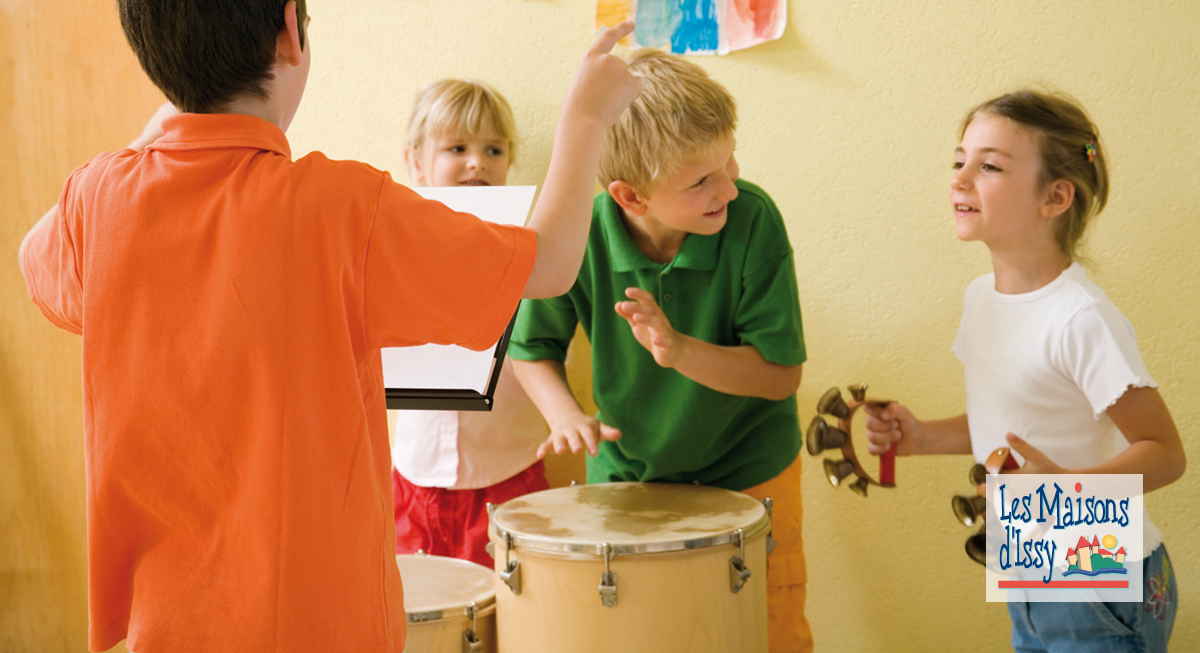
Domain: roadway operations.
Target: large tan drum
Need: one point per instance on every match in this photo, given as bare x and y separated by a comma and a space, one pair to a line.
631, 567
451, 604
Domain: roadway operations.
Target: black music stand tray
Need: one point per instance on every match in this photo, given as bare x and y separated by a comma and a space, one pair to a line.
453, 398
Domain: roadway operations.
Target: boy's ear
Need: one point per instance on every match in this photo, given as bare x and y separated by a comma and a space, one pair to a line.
1059, 195
287, 42
627, 197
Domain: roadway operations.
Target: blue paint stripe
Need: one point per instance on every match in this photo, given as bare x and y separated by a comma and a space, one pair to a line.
698, 30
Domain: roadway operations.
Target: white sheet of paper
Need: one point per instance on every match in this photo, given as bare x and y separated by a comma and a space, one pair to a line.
448, 366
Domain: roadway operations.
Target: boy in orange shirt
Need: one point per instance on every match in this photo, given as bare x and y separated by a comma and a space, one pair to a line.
221, 285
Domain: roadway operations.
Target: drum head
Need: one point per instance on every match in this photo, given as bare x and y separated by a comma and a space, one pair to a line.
631, 517
436, 584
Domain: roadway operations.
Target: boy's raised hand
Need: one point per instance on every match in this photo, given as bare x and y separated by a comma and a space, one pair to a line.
603, 86
650, 326
577, 432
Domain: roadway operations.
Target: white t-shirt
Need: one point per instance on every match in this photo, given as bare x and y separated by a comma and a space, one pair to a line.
1045, 366
469, 450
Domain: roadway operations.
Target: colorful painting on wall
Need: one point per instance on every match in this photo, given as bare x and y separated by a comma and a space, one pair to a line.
697, 26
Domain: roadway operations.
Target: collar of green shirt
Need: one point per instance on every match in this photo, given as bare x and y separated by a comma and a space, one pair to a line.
696, 253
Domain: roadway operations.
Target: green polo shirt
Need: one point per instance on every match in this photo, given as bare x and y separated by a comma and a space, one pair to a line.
735, 287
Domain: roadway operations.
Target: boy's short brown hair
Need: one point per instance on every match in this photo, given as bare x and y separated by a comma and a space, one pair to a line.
203, 54
679, 115
457, 107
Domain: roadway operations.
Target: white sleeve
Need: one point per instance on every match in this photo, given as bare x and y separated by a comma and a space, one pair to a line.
1100, 352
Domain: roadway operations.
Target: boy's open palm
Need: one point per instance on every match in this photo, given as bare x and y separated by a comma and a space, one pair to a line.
650, 326
603, 86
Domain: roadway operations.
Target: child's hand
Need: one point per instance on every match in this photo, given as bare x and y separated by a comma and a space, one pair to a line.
893, 423
577, 431
1036, 462
651, 326
154, 130
603, 85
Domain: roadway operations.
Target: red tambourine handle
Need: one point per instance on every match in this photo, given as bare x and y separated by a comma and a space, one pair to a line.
887, 466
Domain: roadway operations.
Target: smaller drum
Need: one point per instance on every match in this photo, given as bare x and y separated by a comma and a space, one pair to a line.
450, 603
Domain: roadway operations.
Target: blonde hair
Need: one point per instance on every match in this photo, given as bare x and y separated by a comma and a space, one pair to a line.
460, 107
1070, 150
677, 118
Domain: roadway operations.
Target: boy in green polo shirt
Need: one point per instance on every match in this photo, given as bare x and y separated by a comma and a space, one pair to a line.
687, 294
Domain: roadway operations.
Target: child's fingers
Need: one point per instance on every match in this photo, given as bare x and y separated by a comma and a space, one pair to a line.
653, 321
610, 37
881, 424
574, 442
628, 309
879, 439
889, 412
1036, 462
1019, 446
609, 433
590, 442
553, 444
639, 295
876, 449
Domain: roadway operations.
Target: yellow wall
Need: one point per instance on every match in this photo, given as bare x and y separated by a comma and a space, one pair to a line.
849, 121
69, 87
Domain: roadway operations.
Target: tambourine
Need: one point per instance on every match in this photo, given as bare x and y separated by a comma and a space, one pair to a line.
821, 436
972, 510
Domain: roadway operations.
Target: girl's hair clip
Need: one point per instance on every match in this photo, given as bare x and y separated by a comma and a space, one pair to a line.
1090, 150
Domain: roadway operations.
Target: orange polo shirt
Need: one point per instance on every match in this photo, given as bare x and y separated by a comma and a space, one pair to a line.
232, 304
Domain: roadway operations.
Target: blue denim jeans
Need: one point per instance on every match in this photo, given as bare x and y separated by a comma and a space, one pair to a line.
1103, 627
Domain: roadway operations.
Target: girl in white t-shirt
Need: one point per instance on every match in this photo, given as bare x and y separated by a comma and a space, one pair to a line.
1051, 367
446, 465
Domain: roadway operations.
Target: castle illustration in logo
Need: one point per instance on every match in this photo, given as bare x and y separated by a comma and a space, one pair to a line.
1088, 559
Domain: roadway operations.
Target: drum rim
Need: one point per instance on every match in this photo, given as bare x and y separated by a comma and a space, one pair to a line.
458, 613
550, 545
483, 606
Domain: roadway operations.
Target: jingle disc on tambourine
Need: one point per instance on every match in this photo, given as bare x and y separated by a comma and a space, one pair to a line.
821, 436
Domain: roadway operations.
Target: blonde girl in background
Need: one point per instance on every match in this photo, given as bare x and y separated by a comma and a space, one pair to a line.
1051, 366
447, 466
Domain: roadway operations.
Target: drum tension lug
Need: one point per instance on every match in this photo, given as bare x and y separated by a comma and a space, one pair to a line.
490, 547
511, 574
738, 573
769, 504
471, 641
608, 580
